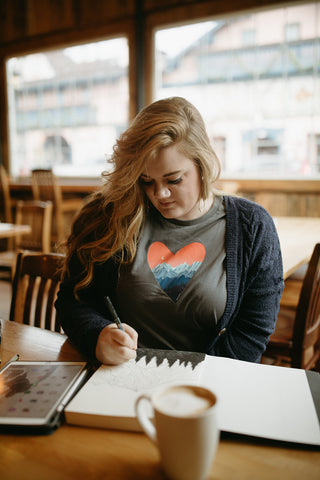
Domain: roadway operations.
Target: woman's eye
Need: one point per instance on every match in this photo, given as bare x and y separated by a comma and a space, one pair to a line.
146, 183
174, 182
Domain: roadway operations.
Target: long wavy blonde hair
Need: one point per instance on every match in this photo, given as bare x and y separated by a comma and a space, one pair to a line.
110, 223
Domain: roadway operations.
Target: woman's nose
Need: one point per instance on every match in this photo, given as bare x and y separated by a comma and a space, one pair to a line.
161, 191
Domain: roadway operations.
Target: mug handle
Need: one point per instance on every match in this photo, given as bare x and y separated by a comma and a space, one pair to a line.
143, 418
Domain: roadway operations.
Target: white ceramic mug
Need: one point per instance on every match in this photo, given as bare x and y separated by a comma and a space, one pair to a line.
184, 429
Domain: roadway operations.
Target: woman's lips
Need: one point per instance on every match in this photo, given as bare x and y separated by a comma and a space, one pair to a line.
166, 204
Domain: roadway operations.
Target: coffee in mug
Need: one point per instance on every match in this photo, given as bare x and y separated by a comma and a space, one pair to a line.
184, 429
184, 400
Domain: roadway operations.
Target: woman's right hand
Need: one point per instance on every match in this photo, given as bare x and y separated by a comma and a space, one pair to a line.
115, 346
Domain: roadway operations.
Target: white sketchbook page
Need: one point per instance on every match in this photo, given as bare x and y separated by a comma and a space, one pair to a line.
262, 400
112, 390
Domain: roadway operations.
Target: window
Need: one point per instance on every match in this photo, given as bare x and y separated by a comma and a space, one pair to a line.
248, 37
314, 151
256, 80
292, 32
67, 107
219, 145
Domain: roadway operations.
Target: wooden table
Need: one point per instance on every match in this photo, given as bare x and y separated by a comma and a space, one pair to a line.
8, 230
298, 236
75, 452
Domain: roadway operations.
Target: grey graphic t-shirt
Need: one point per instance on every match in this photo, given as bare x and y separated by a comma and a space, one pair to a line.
174, 292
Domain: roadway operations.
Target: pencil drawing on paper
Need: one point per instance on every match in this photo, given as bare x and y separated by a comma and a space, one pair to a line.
152, 368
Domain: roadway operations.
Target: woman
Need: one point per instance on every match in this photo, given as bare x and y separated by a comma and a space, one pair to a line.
185, 266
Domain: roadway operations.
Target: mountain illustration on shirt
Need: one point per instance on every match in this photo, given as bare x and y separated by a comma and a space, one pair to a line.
173, 271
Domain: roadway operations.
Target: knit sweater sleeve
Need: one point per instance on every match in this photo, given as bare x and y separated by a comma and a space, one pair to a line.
83, 318
254, 282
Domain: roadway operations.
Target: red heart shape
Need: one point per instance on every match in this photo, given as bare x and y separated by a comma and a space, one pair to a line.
159, 253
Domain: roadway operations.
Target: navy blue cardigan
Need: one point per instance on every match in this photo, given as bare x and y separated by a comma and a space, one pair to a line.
254, 287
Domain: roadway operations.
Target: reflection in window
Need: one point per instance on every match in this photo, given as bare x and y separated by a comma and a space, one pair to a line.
256, 80
67, 107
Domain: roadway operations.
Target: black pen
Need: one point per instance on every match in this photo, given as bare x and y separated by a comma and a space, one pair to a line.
113, 312
117, 320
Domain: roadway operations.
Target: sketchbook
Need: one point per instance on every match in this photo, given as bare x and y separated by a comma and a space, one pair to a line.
257, 400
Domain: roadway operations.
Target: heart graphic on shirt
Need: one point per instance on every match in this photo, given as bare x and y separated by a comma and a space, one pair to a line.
174, 270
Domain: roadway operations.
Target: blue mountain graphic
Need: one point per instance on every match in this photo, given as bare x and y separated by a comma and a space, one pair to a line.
173, 279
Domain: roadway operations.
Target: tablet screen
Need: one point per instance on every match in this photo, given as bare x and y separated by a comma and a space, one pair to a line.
31, 392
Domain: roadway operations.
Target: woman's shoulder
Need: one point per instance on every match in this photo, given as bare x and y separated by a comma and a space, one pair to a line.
252, 223
245, 208
248, 216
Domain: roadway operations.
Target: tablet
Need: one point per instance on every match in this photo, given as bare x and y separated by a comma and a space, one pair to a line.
34, 394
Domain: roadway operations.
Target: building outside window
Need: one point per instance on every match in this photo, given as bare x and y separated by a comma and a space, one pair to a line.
292, 32
314, 150
256, 80
67, 107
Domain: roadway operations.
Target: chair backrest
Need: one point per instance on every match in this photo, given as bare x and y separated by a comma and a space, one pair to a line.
306, 332
38, 215
45, 187
34, 289
4, 187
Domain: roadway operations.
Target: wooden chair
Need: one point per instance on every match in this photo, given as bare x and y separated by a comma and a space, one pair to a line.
45, 187
292, 288
8, 204
34, 290
6, 198
39, 216
296, 340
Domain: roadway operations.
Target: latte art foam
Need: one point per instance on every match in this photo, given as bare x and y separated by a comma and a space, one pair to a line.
185, 401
